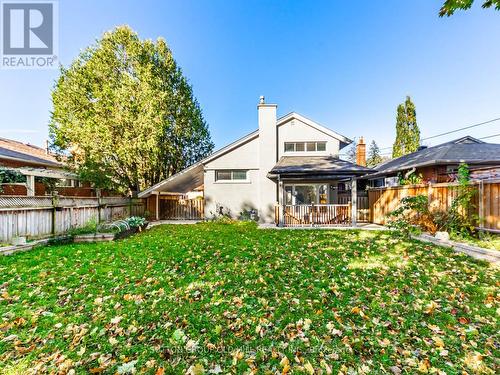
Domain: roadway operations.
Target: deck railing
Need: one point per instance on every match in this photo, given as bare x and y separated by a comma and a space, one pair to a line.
314, 215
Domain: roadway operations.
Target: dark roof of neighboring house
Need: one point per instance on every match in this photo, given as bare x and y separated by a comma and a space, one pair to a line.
14, 150
316, 165
463, 150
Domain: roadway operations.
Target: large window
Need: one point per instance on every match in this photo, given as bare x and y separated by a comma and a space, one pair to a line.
231, 175
305, 146
306, 194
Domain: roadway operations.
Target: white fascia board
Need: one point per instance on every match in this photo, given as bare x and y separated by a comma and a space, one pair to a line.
313, 124
213, 156
155, 189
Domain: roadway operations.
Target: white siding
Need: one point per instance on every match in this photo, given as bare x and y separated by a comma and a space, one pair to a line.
296, 131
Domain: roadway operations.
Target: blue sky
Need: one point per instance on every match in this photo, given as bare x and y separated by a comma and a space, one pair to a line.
346, 64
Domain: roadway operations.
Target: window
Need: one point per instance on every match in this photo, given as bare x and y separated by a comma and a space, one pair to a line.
305, 146
307, 194
320, 146
231, 175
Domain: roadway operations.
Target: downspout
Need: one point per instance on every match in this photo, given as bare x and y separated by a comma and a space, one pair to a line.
407, 174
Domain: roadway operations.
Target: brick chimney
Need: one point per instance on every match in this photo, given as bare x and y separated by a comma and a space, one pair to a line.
361, 152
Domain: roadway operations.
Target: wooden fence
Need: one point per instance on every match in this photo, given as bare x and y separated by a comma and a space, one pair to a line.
37, 217
179, 208
486, 200
363, 211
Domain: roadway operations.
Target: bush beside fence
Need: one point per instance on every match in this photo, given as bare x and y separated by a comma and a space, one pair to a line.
38, 217
486, 200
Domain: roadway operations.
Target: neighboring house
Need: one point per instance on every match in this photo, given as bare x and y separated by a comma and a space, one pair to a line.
35, 171
290, 162
440, 163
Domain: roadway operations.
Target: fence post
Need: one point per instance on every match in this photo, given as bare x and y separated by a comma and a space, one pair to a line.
481, 204
429, 196
53, 226
98, 209
354, 203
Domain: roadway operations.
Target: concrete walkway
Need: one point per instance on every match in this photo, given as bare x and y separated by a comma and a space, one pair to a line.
179, 222
489, 255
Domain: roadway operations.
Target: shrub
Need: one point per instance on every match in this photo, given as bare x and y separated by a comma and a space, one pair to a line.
414, 215
135, 221
249, 215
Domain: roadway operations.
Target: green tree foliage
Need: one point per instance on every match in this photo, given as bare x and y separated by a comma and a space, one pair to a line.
450, 6
407, 131
374, 157
125, 115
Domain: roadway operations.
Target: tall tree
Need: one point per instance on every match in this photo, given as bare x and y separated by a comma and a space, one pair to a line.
125, 115
407, 131
374, 157
450, 6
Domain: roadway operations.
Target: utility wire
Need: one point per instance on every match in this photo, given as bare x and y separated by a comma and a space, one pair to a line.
454, 131
390, 153
490, 136
457, 130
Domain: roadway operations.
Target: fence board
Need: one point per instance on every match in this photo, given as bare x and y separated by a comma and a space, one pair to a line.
486, 200
173, 208
33, 216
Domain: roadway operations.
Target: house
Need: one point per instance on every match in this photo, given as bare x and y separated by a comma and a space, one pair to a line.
288, 171
32, 170
440, 163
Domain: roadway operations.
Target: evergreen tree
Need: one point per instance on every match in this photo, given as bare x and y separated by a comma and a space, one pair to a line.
407, 131
125, 115
374, 157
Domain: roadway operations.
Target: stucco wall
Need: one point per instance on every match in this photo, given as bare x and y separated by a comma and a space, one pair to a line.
296, 131
234, 196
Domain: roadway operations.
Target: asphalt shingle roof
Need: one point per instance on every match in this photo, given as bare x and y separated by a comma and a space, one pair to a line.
28, 158
10, 148
464, 150
320, 165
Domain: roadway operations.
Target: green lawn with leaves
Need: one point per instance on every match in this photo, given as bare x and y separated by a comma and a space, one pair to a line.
230, 298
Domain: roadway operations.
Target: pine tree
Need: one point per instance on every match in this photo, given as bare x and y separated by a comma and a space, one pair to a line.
374, 157
407, 131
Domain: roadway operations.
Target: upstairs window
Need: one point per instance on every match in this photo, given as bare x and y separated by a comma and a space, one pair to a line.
305, 146
231, 175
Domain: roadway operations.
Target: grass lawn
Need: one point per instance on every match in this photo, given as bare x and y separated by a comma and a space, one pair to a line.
215, 298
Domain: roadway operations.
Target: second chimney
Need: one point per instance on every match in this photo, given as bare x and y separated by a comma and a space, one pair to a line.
361, 152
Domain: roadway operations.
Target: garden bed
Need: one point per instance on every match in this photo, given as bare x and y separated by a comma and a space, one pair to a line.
106, 237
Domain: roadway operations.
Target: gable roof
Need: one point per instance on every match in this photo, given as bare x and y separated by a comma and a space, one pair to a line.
463, 150
194, 169
344, 141
18, 151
